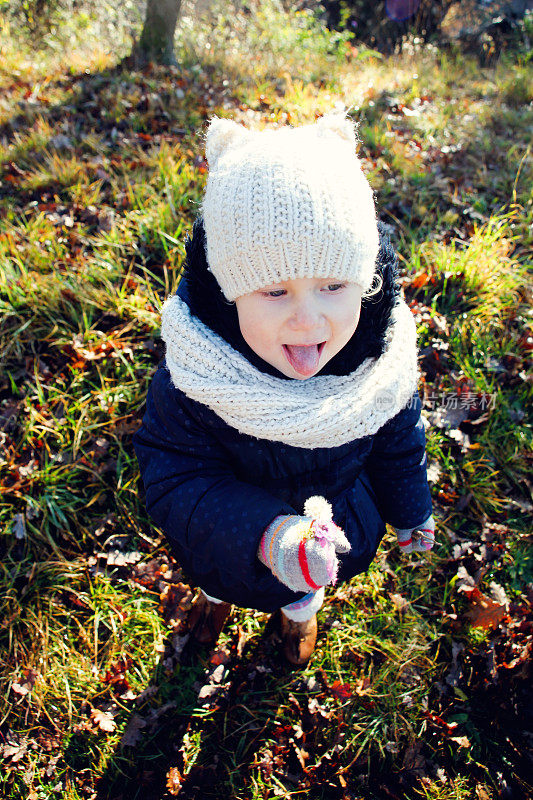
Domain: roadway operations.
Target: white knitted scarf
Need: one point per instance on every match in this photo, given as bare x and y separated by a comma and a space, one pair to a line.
323, 411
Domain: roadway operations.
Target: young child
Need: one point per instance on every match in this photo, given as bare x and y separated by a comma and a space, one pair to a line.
290, 380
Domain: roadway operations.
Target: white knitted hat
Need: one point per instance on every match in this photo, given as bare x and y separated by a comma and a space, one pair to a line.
287, 203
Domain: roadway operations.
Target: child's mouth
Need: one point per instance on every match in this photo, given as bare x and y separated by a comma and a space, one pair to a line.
304, 358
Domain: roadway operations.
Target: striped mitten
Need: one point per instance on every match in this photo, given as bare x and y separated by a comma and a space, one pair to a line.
301, 551
421, 538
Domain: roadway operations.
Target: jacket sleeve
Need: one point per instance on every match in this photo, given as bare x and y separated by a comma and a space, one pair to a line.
213, 521
397, 468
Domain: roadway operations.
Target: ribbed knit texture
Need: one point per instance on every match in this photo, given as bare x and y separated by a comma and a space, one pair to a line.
419, 539
301, 551
287, 203
322, 411
304, 609
296, 555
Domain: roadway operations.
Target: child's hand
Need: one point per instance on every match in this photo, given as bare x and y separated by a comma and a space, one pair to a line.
301, 551
421, 538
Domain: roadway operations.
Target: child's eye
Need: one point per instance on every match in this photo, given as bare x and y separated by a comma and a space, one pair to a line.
331, 287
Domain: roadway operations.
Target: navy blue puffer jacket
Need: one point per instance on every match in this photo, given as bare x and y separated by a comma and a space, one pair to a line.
213, 490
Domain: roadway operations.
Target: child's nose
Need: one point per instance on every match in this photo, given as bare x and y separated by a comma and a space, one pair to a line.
306, 316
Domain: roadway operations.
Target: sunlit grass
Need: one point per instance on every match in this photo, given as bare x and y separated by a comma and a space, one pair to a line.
445, 144
489, 274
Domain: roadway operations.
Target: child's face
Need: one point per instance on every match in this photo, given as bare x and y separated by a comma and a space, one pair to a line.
297, 326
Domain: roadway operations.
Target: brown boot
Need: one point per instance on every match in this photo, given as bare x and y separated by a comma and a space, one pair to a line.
298, 638
206, 619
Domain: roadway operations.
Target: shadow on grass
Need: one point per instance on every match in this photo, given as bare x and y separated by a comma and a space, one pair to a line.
226, 729
221, 736
157, 115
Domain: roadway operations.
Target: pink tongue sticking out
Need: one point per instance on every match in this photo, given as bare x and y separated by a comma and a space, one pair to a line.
303, 359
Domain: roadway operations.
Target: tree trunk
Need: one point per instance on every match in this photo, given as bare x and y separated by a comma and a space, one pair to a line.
157, 39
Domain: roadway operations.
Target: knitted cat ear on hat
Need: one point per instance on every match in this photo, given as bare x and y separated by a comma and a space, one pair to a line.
222, 134
340, 125
285, 203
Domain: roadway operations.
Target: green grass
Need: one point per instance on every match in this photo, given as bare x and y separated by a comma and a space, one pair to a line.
91, 243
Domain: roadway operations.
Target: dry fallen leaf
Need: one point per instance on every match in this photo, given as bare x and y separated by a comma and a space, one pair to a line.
341, 690
173, 781
462, 741
221, 656
217, 674
175, 604
243, 638
115, 676
301, 754
499, 594
314, 707
132, 734
399, 602
23, 688
464, 582
14, 751
485, 612
103, 720
420, 280
413, 760
363, 685
207, 691
20, 688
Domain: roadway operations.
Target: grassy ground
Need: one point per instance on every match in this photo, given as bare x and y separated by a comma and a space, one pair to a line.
418, 685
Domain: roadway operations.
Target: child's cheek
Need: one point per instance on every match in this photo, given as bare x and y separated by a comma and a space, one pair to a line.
350, 320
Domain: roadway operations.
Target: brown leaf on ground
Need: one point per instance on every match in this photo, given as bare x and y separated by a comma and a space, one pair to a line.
485, 612
341, 690
115, 676
266, 765
26, 685
314, 707
462, 741
132, 734
51, 767
220, 656
20, 688
301, 754
465, 582
175, 604
420, 280
173, 783
362, 685
48, 741
413, 760
14, 751
499, 594
243, 638
399, 602
149, 573
103, 720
